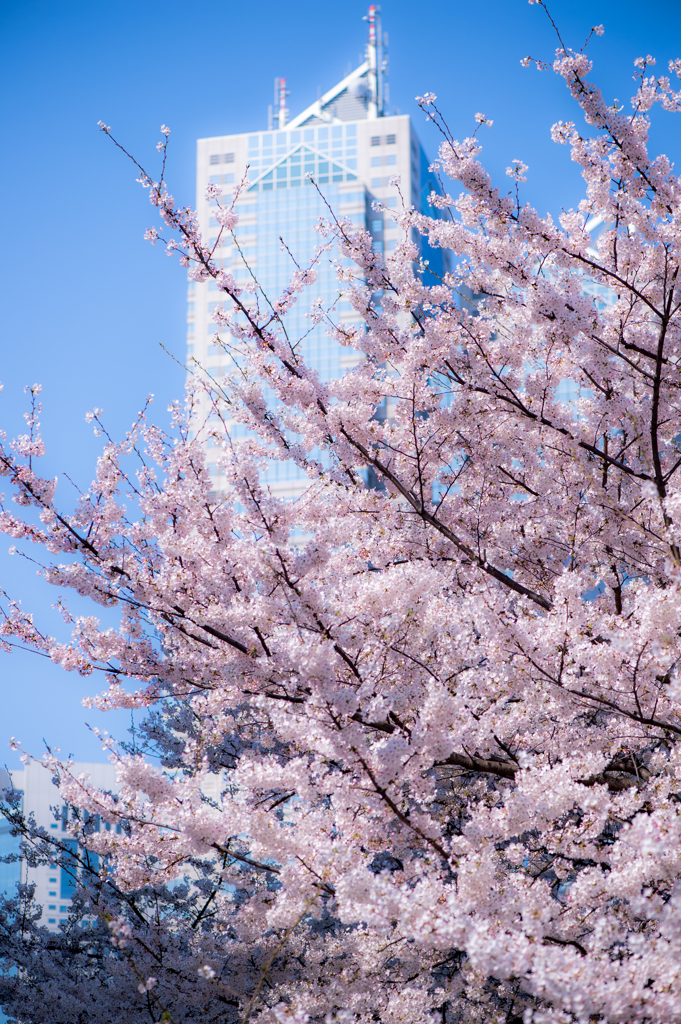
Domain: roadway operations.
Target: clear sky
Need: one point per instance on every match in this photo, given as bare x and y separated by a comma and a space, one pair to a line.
85, 301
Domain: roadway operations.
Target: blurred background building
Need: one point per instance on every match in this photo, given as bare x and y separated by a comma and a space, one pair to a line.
41, 799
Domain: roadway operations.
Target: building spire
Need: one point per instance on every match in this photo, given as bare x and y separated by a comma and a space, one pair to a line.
376, 62
363, 93
280, 94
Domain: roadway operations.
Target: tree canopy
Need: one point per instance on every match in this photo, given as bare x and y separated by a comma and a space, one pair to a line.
412, 744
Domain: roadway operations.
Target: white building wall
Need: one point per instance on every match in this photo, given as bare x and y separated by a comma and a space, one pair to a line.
41, 799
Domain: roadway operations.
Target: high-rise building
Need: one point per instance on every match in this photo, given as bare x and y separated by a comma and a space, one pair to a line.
54, 883
353, 148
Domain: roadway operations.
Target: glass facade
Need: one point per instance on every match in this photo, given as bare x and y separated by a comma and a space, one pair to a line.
330, 153
68, 871
10, 873
342, 156
272, 215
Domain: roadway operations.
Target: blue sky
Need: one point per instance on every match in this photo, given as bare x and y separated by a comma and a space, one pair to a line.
85, 301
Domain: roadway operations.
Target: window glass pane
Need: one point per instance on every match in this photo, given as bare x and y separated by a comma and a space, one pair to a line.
69, 870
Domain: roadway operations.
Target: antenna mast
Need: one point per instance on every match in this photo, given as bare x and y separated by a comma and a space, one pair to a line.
375, 62
280, 94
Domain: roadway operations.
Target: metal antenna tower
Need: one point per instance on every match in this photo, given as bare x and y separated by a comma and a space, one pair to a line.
280, 94
377, 63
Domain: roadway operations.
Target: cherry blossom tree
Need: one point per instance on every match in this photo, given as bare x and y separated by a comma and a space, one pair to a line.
412, 744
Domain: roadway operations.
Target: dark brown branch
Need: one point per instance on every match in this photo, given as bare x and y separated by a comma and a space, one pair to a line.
504, 769
460, 545
566, 942
507, 770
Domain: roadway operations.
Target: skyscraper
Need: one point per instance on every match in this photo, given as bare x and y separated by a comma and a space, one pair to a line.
353, 148
55, 884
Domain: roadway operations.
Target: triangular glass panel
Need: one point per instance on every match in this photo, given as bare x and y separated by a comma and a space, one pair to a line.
291, 172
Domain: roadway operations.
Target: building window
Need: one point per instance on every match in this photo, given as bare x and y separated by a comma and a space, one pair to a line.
69, 869
390, 140
391, 160
375, 140
347, 198
222, 158
376, 161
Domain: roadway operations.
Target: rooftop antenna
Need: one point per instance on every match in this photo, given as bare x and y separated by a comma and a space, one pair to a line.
376, 62
280, 94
